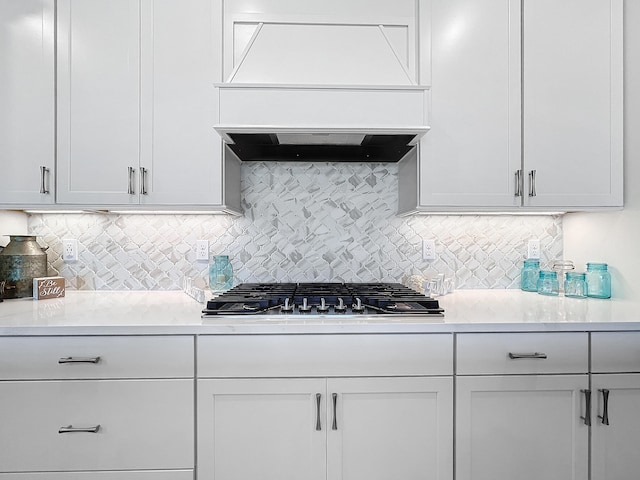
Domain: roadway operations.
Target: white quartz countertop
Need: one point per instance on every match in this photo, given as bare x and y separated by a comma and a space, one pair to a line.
173, 312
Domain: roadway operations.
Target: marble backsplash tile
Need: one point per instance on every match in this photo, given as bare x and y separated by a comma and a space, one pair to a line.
302, 222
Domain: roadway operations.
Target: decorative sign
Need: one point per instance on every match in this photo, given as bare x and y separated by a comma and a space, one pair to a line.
48, 287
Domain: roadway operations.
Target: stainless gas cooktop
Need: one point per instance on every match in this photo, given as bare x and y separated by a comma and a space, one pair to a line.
322, 299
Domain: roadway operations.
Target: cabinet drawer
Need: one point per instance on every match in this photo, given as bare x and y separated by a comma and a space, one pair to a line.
143, 424
615, 352
324, 355
522, 353
133, 475
24, 358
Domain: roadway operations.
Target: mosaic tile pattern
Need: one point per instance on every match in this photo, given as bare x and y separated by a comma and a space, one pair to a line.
303, 222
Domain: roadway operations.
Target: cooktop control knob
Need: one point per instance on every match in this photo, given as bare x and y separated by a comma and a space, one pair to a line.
357, 307
287, 307
305, 307
323, 307
341, 307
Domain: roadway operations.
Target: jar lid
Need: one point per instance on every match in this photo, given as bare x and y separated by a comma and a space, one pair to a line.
596, 266
575, 275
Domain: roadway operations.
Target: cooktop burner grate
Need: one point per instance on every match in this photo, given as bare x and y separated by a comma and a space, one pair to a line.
322, 299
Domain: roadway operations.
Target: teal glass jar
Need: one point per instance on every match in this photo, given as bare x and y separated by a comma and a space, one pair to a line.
548, 283
575, 285
220, 273
598, 280
529, 275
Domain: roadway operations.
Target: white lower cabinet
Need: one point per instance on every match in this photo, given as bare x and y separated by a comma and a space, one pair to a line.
616, 427
615, 383
261, 428
390, 428
71, 409
96, 425
325, 428
524, 427
521, 406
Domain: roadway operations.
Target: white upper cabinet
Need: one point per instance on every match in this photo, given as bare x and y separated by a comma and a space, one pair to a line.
181, 60
322, 43
572, 102
98, 101
136, 105
27, 102
526, 106
470, 56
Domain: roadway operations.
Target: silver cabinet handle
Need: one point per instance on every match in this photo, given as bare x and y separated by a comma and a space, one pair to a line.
535, 355
587, 407
130, 187
518, 183
334, 398
143, 180
532, 183
72, 429
79, 360
318, 424
605, 409
43, 180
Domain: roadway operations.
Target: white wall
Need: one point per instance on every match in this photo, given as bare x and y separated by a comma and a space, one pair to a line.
614, 237
11, 223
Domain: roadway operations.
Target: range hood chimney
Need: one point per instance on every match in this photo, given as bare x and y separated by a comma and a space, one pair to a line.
365, 108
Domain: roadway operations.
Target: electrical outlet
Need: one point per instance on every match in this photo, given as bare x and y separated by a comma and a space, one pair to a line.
533, 250
70, 250
202, 250
429, 249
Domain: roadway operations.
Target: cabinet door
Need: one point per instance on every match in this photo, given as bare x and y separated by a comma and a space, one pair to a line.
572, 102
471, 58
384, 428
614, 454
26, 102
267, 429
181, 58
525, 427
98, 101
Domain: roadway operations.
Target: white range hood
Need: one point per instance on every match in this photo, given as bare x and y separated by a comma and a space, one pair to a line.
351, 116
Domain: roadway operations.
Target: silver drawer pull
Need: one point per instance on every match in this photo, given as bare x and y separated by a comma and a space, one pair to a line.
605, 412
318, 424
79, 360
587, 407
72, 429
43, 175
130, 187
334, 425
535, 355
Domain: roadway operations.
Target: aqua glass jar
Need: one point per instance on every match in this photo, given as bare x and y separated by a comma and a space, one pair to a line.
575, 285
529, 275
548, 283
598, 280
220, 273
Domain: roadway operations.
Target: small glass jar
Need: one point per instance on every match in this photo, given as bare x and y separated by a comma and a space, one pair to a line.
575, 285
548, 283
220, 273
598, 280
562, 267
529, 275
